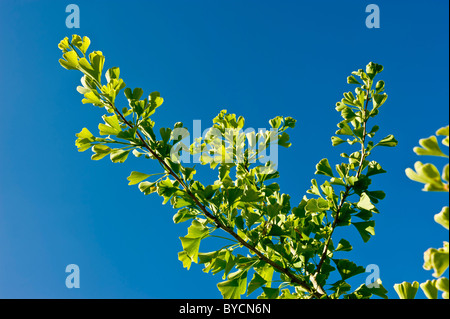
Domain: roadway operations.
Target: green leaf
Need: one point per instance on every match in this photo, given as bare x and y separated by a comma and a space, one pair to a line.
376, 195
379, 86
64, 44
271, 293
147, 187
429, 289
166, 189
112, 73
136, 177
97, 60
344, 245
352, 80
430, 146
365, 292
235, 286
443, 131
317, 205
405, 290
377, 289
365, 229
84, 140
128, 134
344, 129
348, 268
197, 230
250, 195
82, 44
165, 134
373, 168
337, 181
336, 141
111, 126
373, 69
443, 285
442, 217
92, 97
379, 99
185, 259
155, 101
100, 151
445, 173
276, 122
364, 202
70, 62
118, 156
191, 247
389, 141
374, 129
289, 122
324, 168
133, 95
427, 174
188, 172
437, 260
183, 215
256, 282
93, 68
359, 132
283, 140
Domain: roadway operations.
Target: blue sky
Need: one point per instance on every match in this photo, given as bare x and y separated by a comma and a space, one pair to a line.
258, 59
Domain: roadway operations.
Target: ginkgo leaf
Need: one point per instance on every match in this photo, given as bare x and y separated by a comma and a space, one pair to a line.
429, 146
406, 290
137, 177
324, 168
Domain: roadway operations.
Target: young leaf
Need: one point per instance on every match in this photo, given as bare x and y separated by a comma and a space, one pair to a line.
429, 289
118, 155
405, 290
365, 229
374, 168
185, 259
82, 44
336, 140
364, 202
235, 286
84, 140
147, 187
347, 268
256, 282
389, 141
271, 293
344, 245
442, 217
430, 146
283, 140
427, 174
112, 73
136, 177
191, 246
437, 260
70, 61
352, 80
111, 126
100, 151
324, 168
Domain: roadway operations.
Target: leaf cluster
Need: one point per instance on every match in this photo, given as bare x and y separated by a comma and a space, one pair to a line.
434, 181
245, 204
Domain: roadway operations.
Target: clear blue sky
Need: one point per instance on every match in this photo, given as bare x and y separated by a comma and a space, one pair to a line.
258, 59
